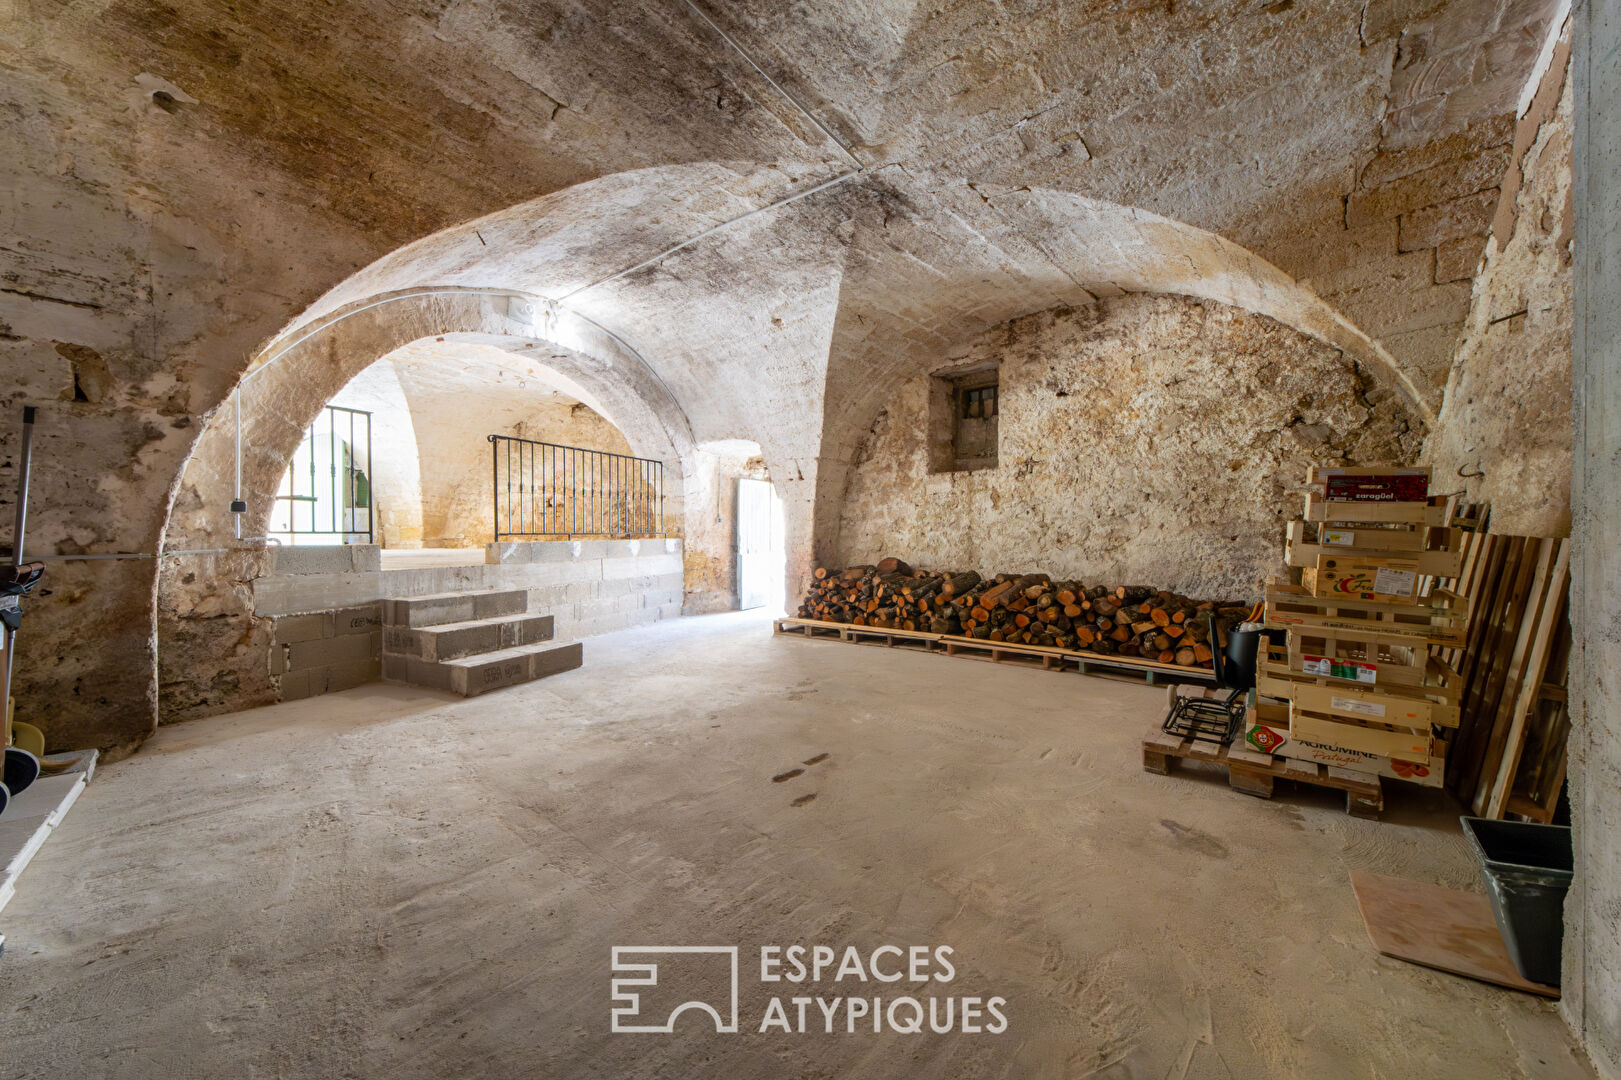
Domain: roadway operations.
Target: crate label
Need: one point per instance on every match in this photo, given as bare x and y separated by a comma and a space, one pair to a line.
1354, 670
1401, 485
1264, 738
1339, 537
1307, 750
1394, 582
1366, 708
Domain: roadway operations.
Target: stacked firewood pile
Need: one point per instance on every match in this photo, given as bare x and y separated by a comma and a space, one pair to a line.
1027, 609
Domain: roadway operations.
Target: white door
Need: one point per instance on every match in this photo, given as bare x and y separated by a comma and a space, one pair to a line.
760, 557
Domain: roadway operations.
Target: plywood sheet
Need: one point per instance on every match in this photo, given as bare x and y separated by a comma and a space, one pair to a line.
1447, 929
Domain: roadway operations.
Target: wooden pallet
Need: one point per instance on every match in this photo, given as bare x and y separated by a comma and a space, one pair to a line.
1254, 773
1040, 656
1512, 664
872, 635
811, 628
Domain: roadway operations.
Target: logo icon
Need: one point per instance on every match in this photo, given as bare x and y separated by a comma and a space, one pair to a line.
627, 1014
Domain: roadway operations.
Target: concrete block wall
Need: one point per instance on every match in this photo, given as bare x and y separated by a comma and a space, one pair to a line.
316, 597
316, 648
593, 586
320, 652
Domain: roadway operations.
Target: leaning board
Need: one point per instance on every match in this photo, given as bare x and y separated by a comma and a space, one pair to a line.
1446, 929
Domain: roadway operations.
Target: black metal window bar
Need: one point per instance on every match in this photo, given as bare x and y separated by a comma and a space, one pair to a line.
327, 491
545, 490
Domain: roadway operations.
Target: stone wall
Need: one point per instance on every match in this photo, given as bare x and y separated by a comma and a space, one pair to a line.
1146, 439
1504, 430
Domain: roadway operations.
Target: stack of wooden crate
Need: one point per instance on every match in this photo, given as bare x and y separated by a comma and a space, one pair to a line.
1360, 684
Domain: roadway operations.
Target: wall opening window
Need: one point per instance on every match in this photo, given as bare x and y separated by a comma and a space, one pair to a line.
964, 407
325, 495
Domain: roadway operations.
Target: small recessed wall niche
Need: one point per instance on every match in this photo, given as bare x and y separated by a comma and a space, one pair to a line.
963, 416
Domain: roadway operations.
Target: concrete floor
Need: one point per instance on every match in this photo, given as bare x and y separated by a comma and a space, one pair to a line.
391, 883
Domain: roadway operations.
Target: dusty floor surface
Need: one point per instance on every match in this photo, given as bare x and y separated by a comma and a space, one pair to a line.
390, 883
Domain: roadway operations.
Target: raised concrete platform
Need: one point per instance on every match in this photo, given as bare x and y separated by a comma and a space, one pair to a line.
326, 605
427, 558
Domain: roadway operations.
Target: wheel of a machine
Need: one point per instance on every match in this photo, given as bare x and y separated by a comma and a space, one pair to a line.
22, 769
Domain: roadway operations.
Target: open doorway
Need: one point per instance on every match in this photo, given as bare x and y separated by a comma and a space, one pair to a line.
761, 552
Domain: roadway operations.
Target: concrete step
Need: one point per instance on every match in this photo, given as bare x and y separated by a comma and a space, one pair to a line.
470, 676
457, 607
450, 641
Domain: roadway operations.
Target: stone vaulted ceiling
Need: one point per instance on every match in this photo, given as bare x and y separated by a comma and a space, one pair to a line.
192, 185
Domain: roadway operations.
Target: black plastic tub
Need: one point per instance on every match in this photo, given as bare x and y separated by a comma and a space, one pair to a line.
1527, 870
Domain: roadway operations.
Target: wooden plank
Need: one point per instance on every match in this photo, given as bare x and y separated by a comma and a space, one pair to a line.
1446, 929
1513, 644
1250, 781
1495, 653
1550, 610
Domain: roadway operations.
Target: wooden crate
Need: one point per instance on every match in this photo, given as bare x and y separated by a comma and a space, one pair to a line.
1363, 577
1382, 664
1255, 773
1376, 483
1438, 551
1437, 511
1398, 706
1435, 620
1267, 729
1310, 724
1276, 675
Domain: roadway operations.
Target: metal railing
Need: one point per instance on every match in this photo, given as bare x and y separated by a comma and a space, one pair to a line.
547, 491
327, 489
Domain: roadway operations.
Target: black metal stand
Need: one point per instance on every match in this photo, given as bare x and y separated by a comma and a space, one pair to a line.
1205, 719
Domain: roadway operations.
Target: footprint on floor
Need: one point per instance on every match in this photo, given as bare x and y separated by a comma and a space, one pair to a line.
817, 760
803, 799
1186, 836
789, 775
